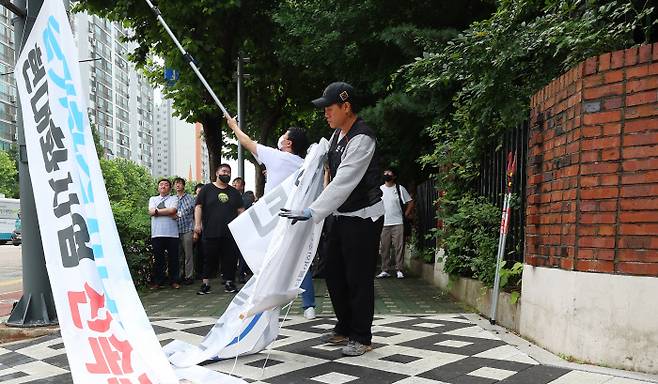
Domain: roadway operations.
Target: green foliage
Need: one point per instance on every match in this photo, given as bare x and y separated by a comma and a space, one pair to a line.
470, 237
129, 187
365, 44
510, 276
8, 175
489, 71
213, 32
100, 150
295, 47
134, 226
479, 85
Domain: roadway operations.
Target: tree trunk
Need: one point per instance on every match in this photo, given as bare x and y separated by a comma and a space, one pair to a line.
266, 127
212, 131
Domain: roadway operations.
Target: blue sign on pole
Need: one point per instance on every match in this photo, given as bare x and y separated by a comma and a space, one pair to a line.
171, 75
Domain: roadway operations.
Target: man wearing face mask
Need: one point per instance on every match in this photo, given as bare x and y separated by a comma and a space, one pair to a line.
217, 204
395, 198
281, 163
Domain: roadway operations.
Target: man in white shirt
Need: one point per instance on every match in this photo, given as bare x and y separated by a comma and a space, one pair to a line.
395, 198
281, 163
163, 210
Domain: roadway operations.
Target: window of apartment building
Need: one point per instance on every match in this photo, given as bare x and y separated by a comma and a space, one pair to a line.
6, 53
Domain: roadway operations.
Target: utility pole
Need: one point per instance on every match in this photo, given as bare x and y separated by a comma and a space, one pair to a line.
241, 61
36, 307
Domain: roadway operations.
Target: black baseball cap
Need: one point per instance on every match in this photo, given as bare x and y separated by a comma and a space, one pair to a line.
338, 92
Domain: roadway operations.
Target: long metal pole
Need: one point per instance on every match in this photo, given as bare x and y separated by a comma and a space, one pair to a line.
36, 307
499, 259
240, 114
187, 56
504, 227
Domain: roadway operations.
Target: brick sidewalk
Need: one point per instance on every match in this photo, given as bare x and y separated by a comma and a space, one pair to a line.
7, 301
420, 336
392, 296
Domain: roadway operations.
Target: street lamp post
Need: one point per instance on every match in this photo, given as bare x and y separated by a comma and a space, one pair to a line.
241, 76
36, 307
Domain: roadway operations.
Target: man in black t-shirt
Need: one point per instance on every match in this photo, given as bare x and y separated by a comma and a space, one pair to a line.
217, 204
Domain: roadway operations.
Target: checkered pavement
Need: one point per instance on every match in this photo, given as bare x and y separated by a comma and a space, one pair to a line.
428, 349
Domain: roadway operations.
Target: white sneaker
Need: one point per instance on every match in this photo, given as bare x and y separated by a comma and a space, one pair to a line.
383, 275
400, 275
309, 313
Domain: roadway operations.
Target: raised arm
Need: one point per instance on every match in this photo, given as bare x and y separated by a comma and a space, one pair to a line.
243, 138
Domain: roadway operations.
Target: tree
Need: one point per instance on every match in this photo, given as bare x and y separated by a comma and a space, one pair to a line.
489, 71
129, 187
480, 84
8, 175
296, 48
365, 44
213, 32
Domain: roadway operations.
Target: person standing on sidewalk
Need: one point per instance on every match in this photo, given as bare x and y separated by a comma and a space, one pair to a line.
185, 223
163, 210
395, 198
198, 248
281, 163
243, 269
217, 204
353, 196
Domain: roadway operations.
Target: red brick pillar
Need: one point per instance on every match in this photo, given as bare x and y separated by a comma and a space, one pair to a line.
593, 167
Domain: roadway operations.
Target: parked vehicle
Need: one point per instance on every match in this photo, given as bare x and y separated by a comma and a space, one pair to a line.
16, 238
9, 209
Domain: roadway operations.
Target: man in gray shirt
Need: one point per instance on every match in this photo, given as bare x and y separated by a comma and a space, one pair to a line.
353, 197
163, 210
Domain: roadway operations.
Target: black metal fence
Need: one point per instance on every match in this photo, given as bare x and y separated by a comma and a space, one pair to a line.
426, 220
492, 184
493, 179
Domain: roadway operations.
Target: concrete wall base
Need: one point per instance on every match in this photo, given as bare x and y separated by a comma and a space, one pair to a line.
469, 291
609, 320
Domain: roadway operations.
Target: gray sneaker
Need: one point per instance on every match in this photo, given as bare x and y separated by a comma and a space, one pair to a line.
333, 338
354, 348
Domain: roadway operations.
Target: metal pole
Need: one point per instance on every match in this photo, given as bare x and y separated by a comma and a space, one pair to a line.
504, 227
240, 114
499, 260
36, 307
187, 56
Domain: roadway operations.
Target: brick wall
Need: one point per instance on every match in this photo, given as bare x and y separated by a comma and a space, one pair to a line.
593, 167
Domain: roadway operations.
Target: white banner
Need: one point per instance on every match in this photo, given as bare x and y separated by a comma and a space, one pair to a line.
106, 333
278, 253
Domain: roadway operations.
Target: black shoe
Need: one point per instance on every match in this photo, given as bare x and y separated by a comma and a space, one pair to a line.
188, 281
204, 290
229, 287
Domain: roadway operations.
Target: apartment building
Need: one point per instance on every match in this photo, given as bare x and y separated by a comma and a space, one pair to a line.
7, 83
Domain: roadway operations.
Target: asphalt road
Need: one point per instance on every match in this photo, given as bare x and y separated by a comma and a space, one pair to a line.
11, 277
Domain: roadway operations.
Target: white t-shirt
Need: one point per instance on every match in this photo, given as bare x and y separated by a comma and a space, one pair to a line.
279, 165
393, 212
163, 226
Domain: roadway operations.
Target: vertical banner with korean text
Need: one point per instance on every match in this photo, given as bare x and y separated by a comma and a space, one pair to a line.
107, 335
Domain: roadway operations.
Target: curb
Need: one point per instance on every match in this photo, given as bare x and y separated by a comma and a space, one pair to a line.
14, 334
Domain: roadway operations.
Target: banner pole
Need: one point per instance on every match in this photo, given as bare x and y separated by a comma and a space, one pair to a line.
504, 226
187, 56
36, 307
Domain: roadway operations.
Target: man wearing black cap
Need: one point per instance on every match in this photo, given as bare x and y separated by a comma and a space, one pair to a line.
353, 197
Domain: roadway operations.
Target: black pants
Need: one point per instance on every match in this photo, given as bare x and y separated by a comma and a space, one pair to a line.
226, 250
349, 271
243, 268
198, 259
160, 246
